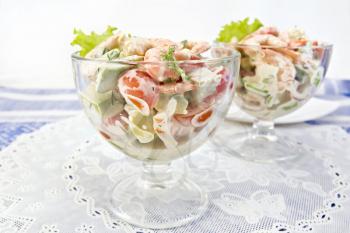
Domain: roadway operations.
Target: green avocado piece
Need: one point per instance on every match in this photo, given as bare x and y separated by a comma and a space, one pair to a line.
108, 74
112, 54
107, 77
97, 100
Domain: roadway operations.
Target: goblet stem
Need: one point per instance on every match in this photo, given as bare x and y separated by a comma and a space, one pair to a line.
264, 129
157, 175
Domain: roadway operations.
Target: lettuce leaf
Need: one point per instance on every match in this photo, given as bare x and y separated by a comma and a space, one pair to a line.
238, 30
88, 42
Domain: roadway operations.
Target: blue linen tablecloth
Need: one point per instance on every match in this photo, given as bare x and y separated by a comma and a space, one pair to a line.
25, 110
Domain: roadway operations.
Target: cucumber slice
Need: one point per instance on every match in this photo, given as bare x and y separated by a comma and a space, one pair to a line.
256, 89
318, 76
269, 101
290, 105
301, 74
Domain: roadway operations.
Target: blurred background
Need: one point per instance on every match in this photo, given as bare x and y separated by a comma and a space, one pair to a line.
35, 35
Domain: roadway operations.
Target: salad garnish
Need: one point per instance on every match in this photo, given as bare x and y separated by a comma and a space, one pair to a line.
169, 56
238, 30
89, 41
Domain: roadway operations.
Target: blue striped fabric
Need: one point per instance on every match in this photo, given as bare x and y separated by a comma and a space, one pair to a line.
37, 91
337, 90
25, 110
10, 130
7, 104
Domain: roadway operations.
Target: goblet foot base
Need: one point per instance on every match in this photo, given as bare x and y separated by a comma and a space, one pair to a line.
264, 149
158, 205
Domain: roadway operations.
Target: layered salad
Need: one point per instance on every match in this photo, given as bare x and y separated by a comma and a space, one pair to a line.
152, 98
279, 71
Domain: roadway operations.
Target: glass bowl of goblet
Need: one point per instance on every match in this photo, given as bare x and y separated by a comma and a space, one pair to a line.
275, 81
156, 123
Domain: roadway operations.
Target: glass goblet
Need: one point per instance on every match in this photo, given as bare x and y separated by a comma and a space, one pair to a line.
275, 81
156, 123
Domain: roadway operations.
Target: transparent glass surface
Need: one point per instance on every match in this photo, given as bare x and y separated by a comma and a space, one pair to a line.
273, 82
141, 112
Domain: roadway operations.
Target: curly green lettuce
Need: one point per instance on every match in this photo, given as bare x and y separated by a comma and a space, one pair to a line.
88, 42
238, 30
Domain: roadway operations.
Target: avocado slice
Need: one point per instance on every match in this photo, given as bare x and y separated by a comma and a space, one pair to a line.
108, 74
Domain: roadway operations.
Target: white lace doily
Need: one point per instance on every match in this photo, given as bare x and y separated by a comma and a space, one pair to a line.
57, 180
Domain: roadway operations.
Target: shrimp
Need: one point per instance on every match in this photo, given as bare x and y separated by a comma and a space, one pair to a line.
254, 42
154, 54
115, 128
188, 51
139, 90
136, 46
186, 54
115, 119
183, 54
161, 43
291, 54
176, 88
159, 72
198, 115
284, 40
202, 118
286, 70
267, 30
179, 130
191, 50
198, 118
196, 47
111, 42
274, 42
264, 39
224, 82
